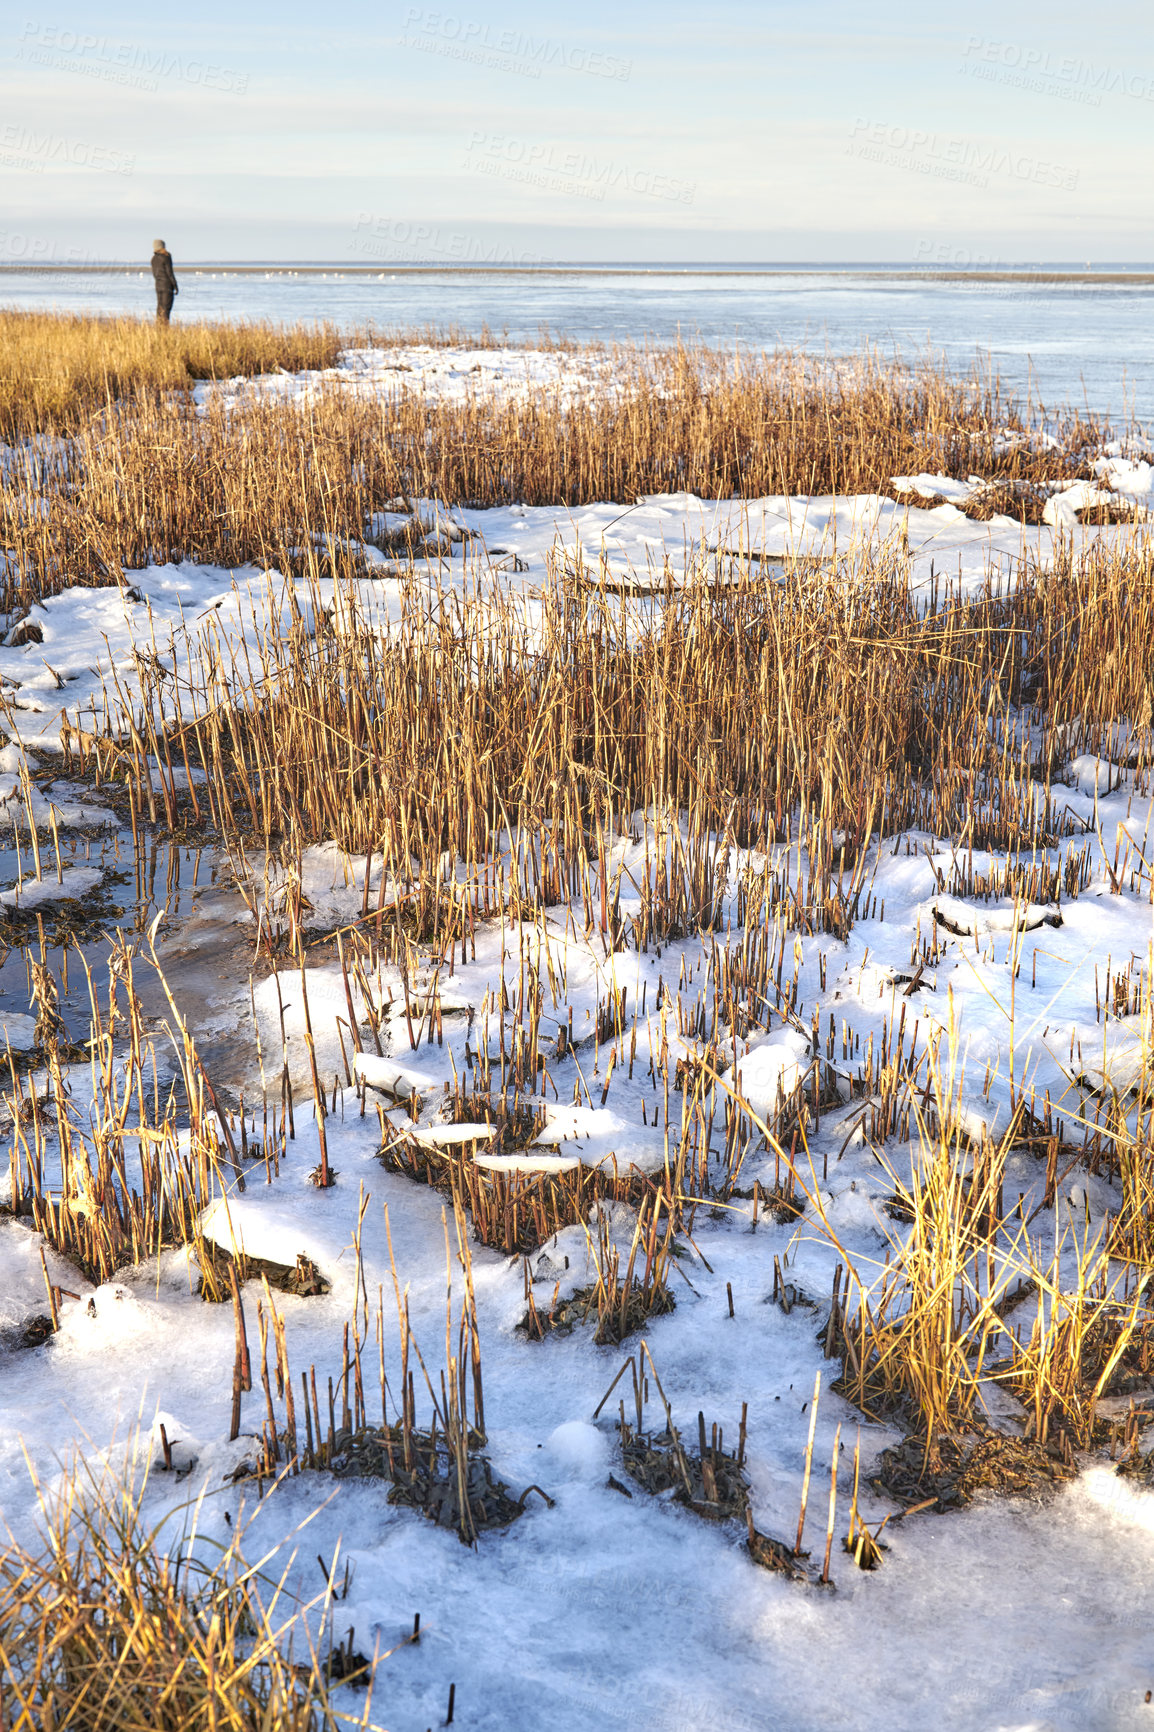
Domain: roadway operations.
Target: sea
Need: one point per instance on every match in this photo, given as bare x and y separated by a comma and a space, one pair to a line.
1058, 335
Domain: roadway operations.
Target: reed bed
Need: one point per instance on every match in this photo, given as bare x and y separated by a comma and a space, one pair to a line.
825, 707
253, 478
723, 765
757, 744
771, 735
58, 370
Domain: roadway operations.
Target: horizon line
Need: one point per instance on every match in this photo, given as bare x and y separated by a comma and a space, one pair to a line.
1055, 271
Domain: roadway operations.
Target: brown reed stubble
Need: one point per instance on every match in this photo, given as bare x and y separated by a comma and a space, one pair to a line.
128, 1185
154, 479
823, 709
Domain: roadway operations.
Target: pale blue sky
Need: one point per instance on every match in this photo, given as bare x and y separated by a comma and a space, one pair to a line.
994, 133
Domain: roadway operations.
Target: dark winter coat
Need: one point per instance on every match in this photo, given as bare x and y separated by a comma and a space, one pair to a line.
162, 274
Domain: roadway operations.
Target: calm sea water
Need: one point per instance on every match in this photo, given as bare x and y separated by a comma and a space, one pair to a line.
1085, 341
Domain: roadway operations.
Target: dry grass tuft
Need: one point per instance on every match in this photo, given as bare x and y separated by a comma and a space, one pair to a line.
617, 1302
1024, 499
101, 1630
926, 1342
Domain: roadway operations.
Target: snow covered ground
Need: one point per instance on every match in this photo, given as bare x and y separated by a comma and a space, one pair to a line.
87, 635
440, 374
611, 1610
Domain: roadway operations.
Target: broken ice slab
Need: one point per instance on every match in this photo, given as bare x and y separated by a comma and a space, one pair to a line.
391, 1078
527, 1161
442, 1136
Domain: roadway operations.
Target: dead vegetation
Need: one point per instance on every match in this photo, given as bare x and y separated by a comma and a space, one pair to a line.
947, 1322
439, 1468
302, 1279
620, 1301
1024, 499
425, 1476
104, 1629
726, 768
712, 1483
965, 1464
132, 1180
753, 719
513, 1210
740, 724
709, 1480
60, 370
152, 477
757, 712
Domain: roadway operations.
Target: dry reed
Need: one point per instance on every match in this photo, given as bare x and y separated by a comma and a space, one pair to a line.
757, 742
253, 478
130, 1183
57, 369
103, 1630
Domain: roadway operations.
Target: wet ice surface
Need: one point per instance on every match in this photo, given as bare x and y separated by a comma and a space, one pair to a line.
1073, 341
203, 938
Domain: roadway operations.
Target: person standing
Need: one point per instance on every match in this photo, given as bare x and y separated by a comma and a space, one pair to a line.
164, 277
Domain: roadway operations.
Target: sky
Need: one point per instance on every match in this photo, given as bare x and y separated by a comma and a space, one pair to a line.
507, 133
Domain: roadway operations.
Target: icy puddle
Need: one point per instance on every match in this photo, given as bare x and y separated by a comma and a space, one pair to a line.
70, 922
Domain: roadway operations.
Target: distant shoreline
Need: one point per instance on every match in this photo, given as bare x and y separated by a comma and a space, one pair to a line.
871, 273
